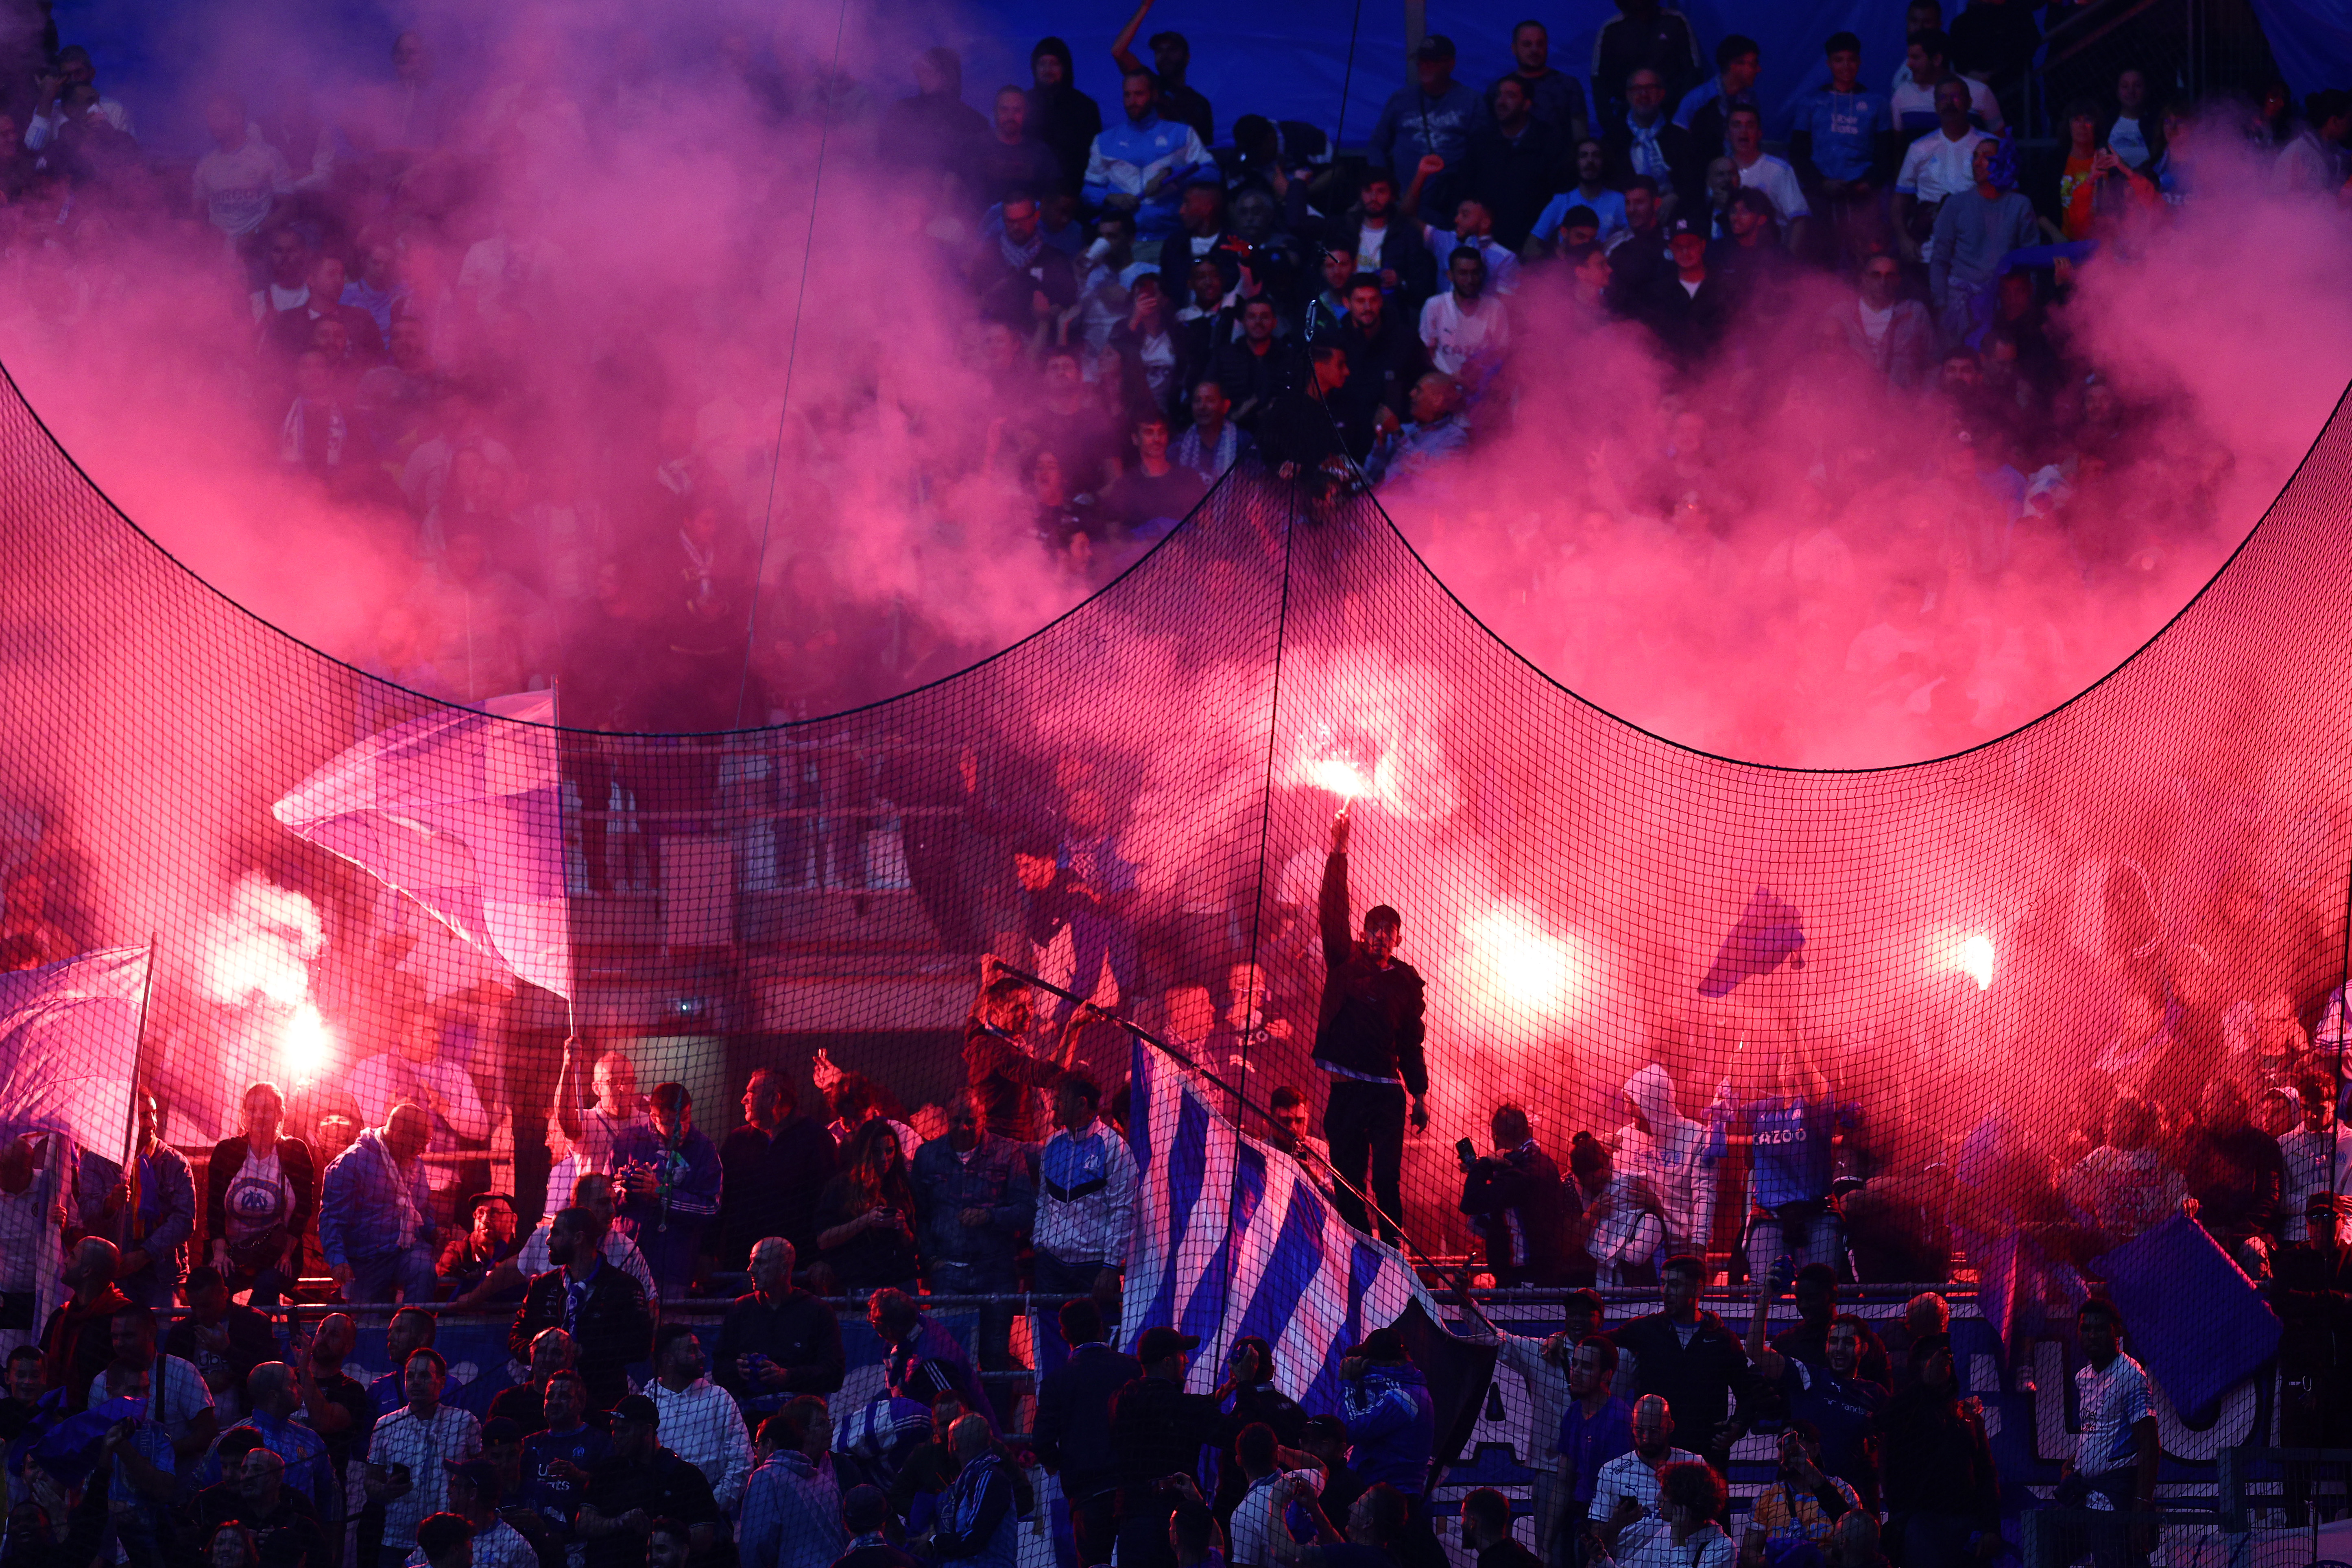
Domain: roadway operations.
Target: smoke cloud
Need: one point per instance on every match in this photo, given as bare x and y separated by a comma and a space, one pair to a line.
1774, 559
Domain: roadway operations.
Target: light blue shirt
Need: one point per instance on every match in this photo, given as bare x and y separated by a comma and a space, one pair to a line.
1609, 207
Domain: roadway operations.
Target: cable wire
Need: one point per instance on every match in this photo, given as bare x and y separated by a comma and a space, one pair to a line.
791, 357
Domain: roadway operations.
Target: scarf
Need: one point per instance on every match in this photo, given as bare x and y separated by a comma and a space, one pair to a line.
1644, 155
300, 447
1210, 464
1020, 257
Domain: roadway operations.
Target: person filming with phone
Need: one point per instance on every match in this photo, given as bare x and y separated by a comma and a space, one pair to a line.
1516, 1202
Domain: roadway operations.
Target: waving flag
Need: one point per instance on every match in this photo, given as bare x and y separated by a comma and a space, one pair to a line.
1232, 1239
2197, 1324
70, 1047
69, 1058
463, 812
1770, 931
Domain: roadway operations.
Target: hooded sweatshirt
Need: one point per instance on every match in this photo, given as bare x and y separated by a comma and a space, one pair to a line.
1675, 1158
1393, 1426
1062, 117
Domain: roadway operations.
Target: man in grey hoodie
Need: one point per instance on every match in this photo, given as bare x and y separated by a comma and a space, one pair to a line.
1673, 1154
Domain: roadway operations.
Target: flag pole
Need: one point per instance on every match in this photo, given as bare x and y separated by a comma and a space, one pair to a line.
131, 1122
1156, 1042
2343, 1027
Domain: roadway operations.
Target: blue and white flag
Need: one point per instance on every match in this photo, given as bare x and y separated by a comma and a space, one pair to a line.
1232, 1239
464, 813
70, 1047
69, 1058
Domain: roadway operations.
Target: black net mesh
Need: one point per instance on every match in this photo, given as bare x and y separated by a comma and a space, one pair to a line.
1967, 972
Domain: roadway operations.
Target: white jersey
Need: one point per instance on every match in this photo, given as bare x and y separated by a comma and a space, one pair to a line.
2111, 1403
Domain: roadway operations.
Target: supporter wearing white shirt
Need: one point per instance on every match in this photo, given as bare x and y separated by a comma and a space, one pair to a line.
2128, 137
1760, 171
177, 1400
496, 1543
1465, 331
236, 185
1277, 1475
426, 1435
2308, 1150
1625, 1495
591, 1130
2113, 1464
1919, 17
1939, 165
1911, 107
700, 1421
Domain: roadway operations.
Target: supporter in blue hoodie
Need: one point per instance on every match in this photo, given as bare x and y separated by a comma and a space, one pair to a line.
1141, 165
1392, 1423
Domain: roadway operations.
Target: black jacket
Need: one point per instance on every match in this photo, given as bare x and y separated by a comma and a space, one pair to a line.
665, 1485
1158, 1430
771, 1187
1933, 1458
301, 1174
1303, 428
614, 1328
799, 1333
1522, 1211
1252, 382
1372, 1019
1062, 117
1691, 325
1004, 293
2310, 1290
1698, 1381
1404, 252
1660, 41
1514, 178
1074, 1418
1686, 162
1381, 366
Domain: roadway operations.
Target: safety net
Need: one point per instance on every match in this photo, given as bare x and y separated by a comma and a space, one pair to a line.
1963, 1020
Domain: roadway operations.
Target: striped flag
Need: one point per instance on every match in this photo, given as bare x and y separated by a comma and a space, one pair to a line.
1232, 1239
68, 1059
464, 813
70, 1047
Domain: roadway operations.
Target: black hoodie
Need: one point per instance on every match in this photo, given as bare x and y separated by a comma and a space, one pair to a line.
1062, 117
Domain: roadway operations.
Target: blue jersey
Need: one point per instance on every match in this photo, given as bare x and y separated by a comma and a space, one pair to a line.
1790, 1150
1845, 127
548, 1495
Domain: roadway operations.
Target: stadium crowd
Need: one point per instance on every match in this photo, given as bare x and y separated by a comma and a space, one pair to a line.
617, 1434
1153, 308
1144, 305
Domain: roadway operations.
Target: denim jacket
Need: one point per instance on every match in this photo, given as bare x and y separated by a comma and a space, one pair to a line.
359, 1210
995, 1177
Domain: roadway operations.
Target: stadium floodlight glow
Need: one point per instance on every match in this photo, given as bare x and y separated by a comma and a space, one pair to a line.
309, 1045
1976, 960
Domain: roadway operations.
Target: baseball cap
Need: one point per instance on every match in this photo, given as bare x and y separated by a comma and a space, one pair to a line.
1159, 1343
1380, 1344
1436, 46
636, 1407
1680, 227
